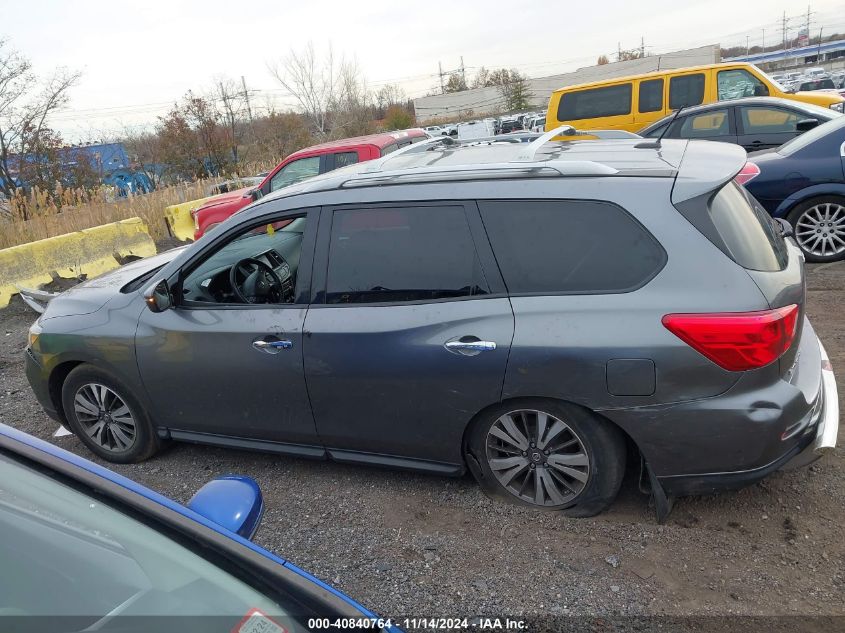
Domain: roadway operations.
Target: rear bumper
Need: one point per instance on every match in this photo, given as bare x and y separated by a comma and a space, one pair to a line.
827, 429
816, 439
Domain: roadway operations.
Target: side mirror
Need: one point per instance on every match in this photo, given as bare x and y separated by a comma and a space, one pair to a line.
232, 502
158, 296
806, 124
785, 227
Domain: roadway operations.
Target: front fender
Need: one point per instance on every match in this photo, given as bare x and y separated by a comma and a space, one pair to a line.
814, 191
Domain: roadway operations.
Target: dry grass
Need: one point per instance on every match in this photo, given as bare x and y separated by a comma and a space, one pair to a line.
37, 215
69, 211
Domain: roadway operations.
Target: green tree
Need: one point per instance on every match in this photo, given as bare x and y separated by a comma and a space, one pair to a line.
398, 118
513, 89
456, 83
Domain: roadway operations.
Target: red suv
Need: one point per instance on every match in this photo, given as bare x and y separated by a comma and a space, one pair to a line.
300, 165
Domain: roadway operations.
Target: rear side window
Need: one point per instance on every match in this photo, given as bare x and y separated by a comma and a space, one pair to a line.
686, 90
595, 103
399, 254
706, 125
651, 95
343, 159
748, 234
570, 247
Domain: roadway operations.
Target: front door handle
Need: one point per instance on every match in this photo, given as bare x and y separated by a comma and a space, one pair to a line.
469, 345
271, 345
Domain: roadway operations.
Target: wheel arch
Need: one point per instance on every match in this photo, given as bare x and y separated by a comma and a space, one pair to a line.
531, 402
808, 193
56, 381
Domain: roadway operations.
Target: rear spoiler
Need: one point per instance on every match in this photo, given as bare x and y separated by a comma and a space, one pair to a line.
705, 166
36, 299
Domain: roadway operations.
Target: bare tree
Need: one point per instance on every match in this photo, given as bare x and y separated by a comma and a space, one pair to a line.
330, 92
25, 109
388, 95
145, 152
230, 100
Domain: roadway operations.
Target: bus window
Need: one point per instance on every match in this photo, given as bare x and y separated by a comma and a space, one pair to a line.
686, 90
595, 103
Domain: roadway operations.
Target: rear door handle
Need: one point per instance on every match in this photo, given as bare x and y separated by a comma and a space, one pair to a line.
271, 345
469, 345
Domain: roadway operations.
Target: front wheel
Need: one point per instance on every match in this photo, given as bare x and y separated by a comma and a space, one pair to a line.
819, 226
548, 455
107, 417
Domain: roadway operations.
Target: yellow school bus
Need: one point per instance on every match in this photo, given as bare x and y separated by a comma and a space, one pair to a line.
631, 103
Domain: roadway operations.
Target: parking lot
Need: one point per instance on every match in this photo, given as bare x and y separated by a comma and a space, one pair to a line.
416, 545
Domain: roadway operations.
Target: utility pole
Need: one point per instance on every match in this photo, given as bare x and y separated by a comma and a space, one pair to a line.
747, 44
809, 13
764, 40
619, 51
642, 47
784, 27
246, 99
440, 72
819, 53
463, 71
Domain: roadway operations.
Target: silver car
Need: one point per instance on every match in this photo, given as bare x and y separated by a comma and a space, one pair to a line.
530, 312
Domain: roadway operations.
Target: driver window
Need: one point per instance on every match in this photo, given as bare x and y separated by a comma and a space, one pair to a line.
256, 266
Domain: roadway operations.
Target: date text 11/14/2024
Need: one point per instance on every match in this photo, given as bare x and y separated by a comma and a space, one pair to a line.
413, 624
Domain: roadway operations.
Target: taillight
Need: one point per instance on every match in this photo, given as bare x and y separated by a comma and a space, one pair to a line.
749, 172
737, 341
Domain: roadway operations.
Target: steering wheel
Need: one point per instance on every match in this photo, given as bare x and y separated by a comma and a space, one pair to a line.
258, 284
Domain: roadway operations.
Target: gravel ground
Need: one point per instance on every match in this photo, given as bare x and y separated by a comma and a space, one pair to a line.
415, 545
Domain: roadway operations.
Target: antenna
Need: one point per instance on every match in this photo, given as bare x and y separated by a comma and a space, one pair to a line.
656, 143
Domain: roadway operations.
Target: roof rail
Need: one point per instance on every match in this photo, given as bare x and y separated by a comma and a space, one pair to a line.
530, 150
376, 165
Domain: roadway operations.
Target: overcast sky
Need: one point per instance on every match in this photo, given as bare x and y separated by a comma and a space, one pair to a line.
136, 58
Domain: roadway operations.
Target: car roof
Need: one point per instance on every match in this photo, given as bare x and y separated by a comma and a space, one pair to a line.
380, 140
654, 73
778, 101
698, 165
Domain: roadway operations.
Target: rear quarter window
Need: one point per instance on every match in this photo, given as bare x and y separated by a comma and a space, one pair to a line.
749, 233
736, 223
570, 246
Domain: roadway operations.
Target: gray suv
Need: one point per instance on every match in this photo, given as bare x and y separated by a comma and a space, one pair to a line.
531, 310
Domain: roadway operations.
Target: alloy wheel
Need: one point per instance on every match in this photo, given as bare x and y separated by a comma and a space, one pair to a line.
537, 457
820, 230
105, 417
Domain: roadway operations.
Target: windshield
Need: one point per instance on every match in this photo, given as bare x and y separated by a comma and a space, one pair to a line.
800, 142
66, 554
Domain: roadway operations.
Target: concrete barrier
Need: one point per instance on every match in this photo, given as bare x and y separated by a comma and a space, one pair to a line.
180, 220
89, 252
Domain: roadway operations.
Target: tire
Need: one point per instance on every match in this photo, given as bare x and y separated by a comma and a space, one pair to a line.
578, 464
107, 417
822, 217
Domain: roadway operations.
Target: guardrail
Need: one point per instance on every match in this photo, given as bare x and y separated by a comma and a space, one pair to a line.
179, 218
88, 252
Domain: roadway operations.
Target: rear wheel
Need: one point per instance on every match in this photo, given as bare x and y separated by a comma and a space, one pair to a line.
107, 417
548, 455
819, 225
